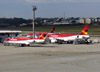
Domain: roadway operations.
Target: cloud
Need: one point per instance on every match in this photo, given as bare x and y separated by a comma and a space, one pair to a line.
57, 1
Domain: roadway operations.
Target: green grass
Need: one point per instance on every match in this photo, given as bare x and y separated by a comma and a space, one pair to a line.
94, 30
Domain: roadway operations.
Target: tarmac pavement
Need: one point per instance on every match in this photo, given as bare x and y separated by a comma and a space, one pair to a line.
50, 58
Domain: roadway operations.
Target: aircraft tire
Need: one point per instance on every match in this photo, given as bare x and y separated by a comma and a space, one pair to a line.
6, 44
59, 42
22, 45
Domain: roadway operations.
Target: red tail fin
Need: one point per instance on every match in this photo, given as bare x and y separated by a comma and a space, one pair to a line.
42, 36
85, 31
53, 29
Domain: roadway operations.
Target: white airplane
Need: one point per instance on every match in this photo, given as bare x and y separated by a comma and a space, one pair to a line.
24, 41
60, 38
28, 41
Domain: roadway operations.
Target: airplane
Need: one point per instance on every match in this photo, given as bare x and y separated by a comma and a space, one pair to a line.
30, 35
60, 38
24, 41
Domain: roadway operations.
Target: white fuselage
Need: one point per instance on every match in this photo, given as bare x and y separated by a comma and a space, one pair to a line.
69, 38
15, 41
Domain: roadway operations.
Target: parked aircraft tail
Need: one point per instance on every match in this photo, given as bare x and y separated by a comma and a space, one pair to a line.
85, 31
53, 29
42, 36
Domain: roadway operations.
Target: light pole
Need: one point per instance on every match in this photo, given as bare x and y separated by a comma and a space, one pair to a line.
34, 8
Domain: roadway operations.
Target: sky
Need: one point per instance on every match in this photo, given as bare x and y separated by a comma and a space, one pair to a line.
49, 8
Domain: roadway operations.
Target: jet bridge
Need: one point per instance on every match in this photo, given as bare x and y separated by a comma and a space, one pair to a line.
8, 34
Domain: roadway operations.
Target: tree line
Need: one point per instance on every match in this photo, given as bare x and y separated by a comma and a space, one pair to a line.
14, 21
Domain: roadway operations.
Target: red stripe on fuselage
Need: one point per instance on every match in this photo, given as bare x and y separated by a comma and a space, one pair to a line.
61, 35
22, 39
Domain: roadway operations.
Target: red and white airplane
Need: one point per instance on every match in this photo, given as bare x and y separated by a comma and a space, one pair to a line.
53, 38
24, 41
30, 35
28, 41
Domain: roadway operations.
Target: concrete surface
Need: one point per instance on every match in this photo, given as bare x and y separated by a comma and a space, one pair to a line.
50, 58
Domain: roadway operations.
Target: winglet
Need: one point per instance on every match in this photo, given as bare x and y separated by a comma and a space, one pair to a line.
53, 29
85, 31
